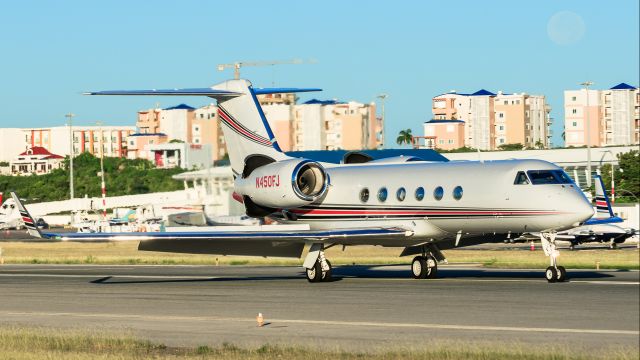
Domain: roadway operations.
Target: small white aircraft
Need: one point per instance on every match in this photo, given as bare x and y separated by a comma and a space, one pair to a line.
9, 215
423, 207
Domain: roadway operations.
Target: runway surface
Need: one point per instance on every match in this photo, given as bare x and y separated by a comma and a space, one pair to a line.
364, 308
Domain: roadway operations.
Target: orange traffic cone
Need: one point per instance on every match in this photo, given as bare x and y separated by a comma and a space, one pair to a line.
532, 247
260, 320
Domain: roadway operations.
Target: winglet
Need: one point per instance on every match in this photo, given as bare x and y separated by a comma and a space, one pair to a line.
28, 221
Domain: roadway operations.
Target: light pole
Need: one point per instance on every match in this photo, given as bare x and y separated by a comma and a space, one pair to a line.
382, 97
102, 183
586, 85
613, 182
70, 117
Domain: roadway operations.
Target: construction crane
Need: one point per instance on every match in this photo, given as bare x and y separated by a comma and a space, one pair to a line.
237, 65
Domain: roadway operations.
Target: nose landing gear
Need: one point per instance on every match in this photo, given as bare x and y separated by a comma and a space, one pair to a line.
554, 273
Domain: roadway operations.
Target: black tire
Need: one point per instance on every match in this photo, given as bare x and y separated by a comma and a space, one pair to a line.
432, 267
551, 274
327, 275
562, 274
315, 273
613, 246
419, 268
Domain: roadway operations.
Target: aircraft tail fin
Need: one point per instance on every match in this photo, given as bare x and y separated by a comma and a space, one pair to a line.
604, 212
27, 219
244, 124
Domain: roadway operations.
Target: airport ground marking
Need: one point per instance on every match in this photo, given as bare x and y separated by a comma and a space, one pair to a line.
367, 324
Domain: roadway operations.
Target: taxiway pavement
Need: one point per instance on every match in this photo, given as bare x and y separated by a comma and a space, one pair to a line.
363, 308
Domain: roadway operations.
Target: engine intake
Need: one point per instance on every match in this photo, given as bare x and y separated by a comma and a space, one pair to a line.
309, 180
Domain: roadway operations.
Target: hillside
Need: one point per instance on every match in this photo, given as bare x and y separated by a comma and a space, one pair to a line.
122, 177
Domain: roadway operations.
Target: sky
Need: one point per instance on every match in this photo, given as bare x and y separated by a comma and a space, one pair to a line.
51, 51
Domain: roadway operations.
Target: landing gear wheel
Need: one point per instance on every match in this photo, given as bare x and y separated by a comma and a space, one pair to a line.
613, 245
419, 268
551, 274
432, 267
315, 273
326, 276
562, 274
572, 247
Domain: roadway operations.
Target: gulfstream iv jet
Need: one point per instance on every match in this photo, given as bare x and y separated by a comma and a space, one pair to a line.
422, 207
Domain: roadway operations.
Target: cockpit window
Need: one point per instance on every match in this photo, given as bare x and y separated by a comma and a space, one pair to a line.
521, 179
541, 177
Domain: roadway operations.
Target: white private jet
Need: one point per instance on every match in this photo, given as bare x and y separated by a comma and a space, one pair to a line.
421, 206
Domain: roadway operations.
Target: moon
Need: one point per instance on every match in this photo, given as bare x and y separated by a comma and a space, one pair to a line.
565, 28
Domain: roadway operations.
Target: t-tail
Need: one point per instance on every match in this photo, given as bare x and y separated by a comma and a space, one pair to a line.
244, 124
604, 212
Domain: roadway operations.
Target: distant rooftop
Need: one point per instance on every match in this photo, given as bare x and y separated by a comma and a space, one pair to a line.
180, 107
147, 134
440, 121
623, 86
483, 92
323, 102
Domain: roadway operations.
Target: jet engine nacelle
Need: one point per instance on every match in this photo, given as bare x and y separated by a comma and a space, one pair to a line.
285, 184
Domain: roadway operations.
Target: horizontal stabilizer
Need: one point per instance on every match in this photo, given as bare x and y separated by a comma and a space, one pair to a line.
213, 93
262, 91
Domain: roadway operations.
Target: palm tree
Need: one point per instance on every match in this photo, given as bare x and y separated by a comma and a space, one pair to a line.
404, 137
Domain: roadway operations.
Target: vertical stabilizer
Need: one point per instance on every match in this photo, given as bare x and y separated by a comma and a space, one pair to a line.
28, 221
245, 127
603, 205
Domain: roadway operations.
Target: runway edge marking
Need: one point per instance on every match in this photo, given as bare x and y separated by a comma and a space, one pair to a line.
331, 322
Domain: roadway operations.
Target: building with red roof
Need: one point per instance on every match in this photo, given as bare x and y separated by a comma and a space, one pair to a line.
35, 160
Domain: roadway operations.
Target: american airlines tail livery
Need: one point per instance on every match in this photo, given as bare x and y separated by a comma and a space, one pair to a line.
421, 206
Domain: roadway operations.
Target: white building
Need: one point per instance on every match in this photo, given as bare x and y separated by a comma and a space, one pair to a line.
35, 160
183, 155
11, 143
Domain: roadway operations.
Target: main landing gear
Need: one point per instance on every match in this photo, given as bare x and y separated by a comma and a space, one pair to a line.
425, 266
317, 267
554, 273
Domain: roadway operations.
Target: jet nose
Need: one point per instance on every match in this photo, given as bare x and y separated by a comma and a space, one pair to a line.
583, 210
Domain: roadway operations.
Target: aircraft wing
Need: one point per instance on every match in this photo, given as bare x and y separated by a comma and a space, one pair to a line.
284, 243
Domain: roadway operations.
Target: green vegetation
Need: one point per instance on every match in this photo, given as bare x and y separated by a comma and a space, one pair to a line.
627, 176
511, 147
4, 163
127, 253
404, 137
122, 177
48, 343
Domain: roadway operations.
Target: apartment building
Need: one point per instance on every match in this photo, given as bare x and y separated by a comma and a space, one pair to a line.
490, 120
180, 123
85, 139
444, 134
322, 124
613, 116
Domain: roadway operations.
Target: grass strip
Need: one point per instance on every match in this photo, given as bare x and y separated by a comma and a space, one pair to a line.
126, 253
46, 343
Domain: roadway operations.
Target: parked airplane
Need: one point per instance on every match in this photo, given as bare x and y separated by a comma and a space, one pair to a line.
600, 228
9, 215
424, 207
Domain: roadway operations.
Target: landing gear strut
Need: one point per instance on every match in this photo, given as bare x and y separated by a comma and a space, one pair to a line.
554, 273
424, 266
318, 268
